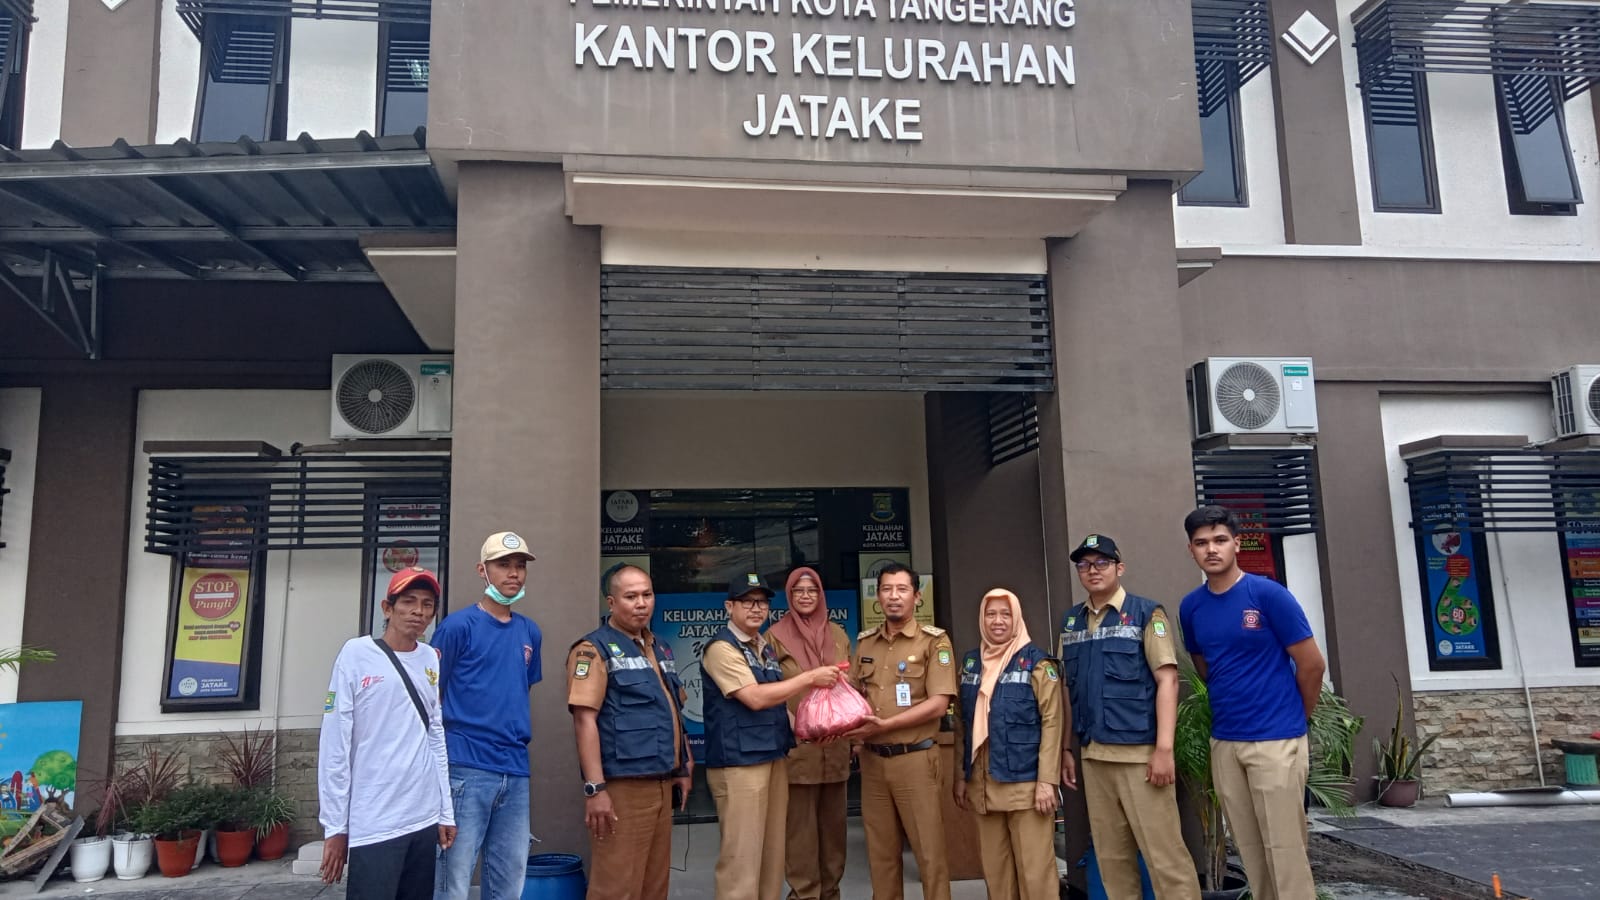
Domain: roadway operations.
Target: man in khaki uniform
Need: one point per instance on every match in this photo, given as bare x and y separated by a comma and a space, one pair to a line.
907, 672
625, 698
748, 741
1121, 671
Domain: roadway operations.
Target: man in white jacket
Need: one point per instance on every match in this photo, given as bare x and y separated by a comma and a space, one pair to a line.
382, 774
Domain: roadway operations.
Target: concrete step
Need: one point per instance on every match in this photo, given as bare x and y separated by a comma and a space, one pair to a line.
307, 867
311, 852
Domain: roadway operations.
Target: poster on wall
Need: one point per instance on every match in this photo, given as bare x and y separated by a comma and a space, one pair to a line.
38, 756
1580, 557
1458, 601
397, 519
212, 624
1260, 552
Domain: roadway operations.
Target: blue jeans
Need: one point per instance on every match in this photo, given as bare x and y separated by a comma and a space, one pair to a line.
492, 816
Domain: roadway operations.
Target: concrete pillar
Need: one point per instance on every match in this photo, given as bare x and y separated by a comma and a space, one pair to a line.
527, 436
113, 70
1364, 612
78, 557
1315, 167
1114, 437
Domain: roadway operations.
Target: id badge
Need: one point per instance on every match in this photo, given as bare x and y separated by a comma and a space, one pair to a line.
902, 694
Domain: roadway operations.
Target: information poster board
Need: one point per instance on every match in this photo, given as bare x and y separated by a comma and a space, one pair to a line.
1580, 557
214, 635
397, 518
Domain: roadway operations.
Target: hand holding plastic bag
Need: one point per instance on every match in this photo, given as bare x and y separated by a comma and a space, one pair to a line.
830, 712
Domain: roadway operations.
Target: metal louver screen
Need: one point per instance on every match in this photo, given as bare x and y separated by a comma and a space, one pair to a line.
407, 61
244, 52
720, 329
1013, 427
1505, 491
1526, 41
294, 503
1232, 44
1275, 487
1393, 101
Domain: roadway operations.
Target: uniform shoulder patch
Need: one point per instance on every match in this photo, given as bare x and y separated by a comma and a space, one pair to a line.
1158, 626
944, 656
327, 702
865, 634
933, 630
581, 670
1048, 666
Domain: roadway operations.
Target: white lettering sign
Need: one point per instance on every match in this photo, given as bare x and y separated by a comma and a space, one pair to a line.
1043, 60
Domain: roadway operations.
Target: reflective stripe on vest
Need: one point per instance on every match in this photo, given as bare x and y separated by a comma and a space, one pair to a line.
1122, 632
615, 663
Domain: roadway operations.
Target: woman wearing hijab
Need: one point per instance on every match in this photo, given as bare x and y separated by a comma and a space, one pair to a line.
805, 639
1011, 723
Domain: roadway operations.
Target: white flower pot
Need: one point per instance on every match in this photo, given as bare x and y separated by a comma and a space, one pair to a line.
200, 849
131, 855
91, 857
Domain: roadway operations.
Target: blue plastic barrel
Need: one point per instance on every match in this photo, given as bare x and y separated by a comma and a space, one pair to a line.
1097, 888
555, 876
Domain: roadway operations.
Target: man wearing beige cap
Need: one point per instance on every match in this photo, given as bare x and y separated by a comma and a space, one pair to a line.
488, 661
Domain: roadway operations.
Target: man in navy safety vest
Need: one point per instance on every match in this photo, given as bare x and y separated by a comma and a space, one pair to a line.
1121, 668
625, 698
748, 742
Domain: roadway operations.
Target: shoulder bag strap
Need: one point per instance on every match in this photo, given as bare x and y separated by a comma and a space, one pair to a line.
405, 679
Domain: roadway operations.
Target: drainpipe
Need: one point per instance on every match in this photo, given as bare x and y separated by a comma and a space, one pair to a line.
1522, 669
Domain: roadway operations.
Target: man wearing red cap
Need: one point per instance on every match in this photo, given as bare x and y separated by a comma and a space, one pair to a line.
382, 772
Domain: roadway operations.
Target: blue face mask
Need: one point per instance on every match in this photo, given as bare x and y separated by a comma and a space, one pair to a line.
494, 594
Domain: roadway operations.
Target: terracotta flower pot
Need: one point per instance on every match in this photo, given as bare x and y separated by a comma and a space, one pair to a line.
176, 858
275, 844
1399, 793
233, 847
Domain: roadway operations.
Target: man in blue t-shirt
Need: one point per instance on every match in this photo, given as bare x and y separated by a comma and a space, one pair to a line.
1252, 645
488, 660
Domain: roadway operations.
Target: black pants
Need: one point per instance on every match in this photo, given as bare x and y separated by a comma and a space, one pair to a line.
397, 869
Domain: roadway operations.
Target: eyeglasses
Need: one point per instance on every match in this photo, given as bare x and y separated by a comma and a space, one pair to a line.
751, 603
1099, 565
806, 592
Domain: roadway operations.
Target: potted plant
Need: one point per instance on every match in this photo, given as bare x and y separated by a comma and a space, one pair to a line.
211, 807
1332, 730
271, 815
172, 822
250, 761
1400, 760
148, 779
90, 858
235, 834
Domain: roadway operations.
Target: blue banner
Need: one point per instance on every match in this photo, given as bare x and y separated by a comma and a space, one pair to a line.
1456, 604
687, 622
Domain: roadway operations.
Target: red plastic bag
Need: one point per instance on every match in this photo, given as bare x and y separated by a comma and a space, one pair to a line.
829, 712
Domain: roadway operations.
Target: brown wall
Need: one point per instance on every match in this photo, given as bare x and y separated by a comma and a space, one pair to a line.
1315, 167
77, 568
527, 435
1397, 320
986, 526
491, 63
112, 72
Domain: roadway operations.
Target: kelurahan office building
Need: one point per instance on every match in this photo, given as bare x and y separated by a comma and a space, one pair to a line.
295, 293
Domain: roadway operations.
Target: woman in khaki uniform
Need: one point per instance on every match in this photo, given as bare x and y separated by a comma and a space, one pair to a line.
1010, 731
803, 640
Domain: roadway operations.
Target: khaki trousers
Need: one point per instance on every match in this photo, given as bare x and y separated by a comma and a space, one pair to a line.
634, 862
752, 808
901, 795
1018, 850
1262, 786
1127, 816
814, 859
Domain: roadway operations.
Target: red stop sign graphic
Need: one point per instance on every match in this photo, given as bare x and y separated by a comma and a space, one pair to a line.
1458, 566
214, 595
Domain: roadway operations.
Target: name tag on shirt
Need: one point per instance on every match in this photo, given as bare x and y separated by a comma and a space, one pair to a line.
902, 694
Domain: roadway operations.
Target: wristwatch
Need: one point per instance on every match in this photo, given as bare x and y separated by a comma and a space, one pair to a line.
590, 788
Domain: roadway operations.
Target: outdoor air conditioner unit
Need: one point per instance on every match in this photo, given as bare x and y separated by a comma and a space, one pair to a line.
391, 396
1577, 401
1257, 395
